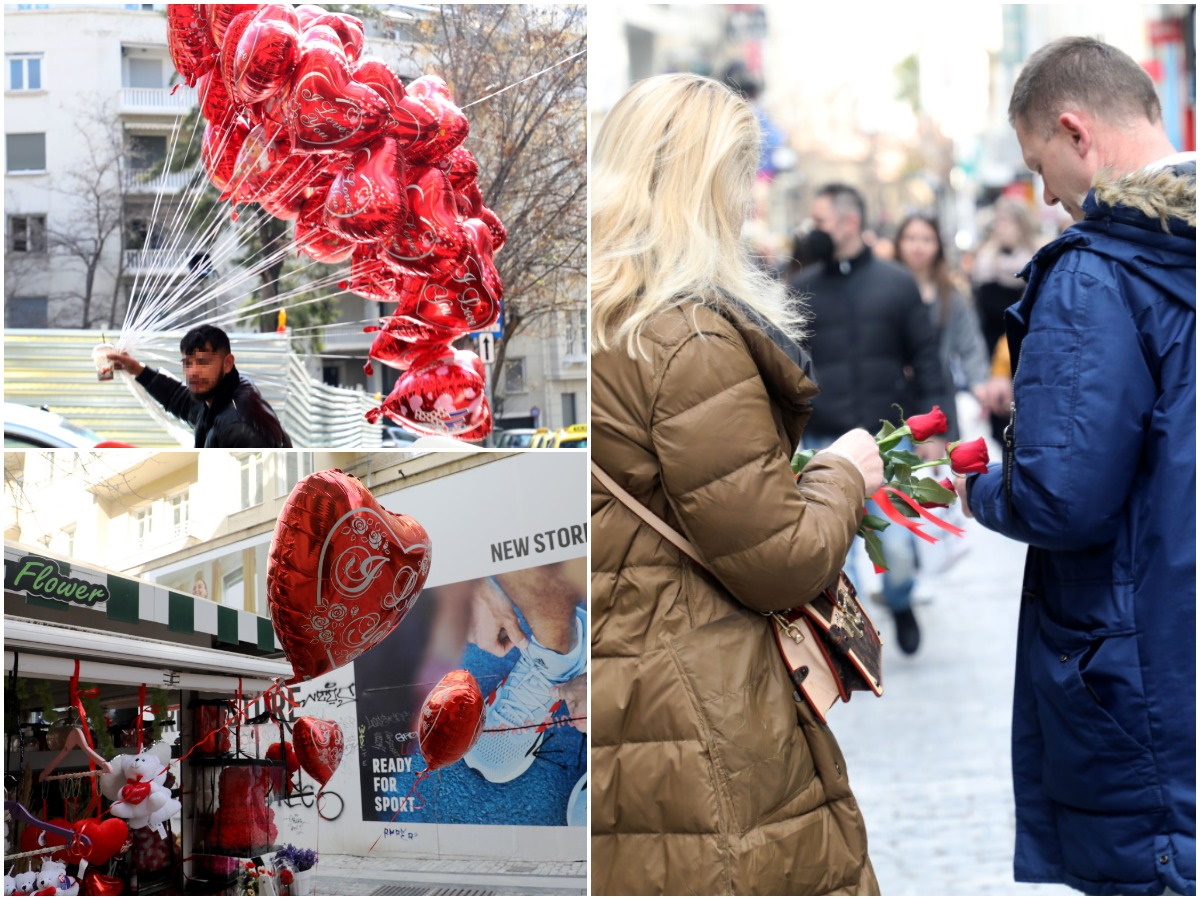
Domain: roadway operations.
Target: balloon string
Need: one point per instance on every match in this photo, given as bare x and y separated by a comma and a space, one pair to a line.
141, 709
561, 62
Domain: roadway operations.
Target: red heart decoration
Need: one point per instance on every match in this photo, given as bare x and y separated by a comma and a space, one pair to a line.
220, 15
379, 77
366, 201
229, 43
495, 226
452, 126
267, 167
192, 48
135, 792
407, 328
265, 55
34, 838
393, 350
97, 885
432, 237
444, 395
451, 719
341, 574
348, 29
370, 277
318, 747
313, 238
108, 836
215, 103
328, 110
219, 150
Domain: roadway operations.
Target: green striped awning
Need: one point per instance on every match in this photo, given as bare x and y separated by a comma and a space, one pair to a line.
99, 598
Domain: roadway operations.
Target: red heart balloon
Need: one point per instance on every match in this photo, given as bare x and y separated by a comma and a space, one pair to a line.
215, 103
313, 238
366, 201
452, 126
495, 226
328, 110
267, 167
98, 885
108, 836
371, 278
432, 237
348, 29
379, 77
318, 747
342, 572
393, 350
219, 150
193, 50
232, 34
265, 55
407, 328
451, 719
441, 396
220, 15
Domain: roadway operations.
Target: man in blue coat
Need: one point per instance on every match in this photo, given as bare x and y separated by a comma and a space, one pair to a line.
1099, 478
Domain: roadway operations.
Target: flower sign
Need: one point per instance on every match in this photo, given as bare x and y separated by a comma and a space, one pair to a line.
917, 494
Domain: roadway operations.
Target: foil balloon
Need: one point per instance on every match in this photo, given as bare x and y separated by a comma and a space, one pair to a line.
286, 753
348, 29
407, 328
452, 126
342, 572
265, 55
215, 103
432, 237
393, 350
193, 50
451, 719
378, 75
319, 747
97, 884
219, 150
330, 112
371, 278
313, 238
440, 396
229, 43
220, 15
367, 201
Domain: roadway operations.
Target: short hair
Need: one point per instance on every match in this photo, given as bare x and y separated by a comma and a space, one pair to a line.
1081, 72
205, 337
846, 199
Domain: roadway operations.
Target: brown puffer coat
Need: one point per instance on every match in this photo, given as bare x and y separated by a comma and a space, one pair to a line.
708, 777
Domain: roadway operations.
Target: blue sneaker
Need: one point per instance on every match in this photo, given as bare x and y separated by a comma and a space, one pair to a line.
577, 804
522, 709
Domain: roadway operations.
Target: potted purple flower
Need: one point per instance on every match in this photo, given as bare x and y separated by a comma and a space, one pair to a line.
300, 864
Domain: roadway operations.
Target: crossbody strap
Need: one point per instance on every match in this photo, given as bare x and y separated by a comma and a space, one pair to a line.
647, 515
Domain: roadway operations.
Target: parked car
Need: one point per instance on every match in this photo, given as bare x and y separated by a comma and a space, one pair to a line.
26, 427
571, 436
515, 437
395, 437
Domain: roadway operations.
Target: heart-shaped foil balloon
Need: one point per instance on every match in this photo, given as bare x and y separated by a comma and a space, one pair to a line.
219, 150
341, 574
371, 278
432, 238
313, 238
265, 55
367, 200
192, 48
452, 126
319, 747
407, 328
285, 753
440, 396
329, 111
495, 226
229, 43
96, 884
215, 103
348, 29
451, 719
393, 350
107, 837
220, 15
378, 75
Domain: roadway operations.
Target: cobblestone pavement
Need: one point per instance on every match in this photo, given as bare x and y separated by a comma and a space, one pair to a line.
929, 761
349, 876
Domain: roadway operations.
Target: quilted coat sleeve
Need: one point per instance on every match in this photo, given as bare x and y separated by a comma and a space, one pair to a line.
771, 542
172, 394
1084, 396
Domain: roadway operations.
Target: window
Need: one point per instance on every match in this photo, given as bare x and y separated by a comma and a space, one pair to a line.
514, 376
143, 524
27, 312
24, 71
233, 588
177, 512
575, 332
568, 409
26, 152
146, 151
27, 234
145, 72
69, 540
251, 479
294, 467
142, 234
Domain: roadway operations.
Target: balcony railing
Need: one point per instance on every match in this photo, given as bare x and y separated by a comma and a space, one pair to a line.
166, 101
157, 262
148, 181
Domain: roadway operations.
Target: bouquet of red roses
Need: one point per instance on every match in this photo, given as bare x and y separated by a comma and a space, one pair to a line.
916, 494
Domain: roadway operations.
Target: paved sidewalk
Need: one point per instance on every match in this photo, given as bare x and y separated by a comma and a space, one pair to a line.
355, 876
929, 761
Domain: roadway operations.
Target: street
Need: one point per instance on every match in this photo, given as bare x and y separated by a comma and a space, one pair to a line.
929, 761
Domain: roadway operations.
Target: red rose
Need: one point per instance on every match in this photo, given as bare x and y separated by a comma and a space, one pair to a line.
969, 457
928, 425
948, 485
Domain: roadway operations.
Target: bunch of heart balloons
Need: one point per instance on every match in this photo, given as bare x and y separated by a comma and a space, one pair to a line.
371, 172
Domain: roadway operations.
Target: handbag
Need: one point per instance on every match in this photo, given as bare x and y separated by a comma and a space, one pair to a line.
829, 645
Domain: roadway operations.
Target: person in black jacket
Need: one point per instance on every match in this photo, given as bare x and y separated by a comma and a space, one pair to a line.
872, 346
223, 406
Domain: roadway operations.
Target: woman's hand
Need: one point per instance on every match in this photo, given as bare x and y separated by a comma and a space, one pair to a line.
860, 448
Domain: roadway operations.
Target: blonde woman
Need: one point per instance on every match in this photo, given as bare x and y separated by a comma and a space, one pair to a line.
709, 776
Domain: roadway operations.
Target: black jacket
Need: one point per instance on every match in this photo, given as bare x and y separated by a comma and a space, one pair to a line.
238, 416
872, 344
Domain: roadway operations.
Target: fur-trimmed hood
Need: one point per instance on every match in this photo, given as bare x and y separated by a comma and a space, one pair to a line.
1167, 195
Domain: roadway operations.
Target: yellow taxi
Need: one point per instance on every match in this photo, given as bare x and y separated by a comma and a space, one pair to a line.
571, 436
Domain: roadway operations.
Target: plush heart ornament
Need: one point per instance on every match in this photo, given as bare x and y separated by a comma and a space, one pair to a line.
318, 747
341, 574
328, 110
135, 792
98, 885
34, 838
451, 719
108, 836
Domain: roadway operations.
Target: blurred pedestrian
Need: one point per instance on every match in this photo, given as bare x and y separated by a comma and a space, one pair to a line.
222, 405
711, 776
1008, 247
873, 347
1099, 478
964, 356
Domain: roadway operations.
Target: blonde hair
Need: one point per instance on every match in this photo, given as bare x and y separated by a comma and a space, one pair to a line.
672, 173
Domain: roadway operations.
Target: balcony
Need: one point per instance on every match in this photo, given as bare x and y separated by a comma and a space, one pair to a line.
157, 262
149, 181
158, 101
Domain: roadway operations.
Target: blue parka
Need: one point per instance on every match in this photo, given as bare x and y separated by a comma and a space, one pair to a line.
1099, 478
